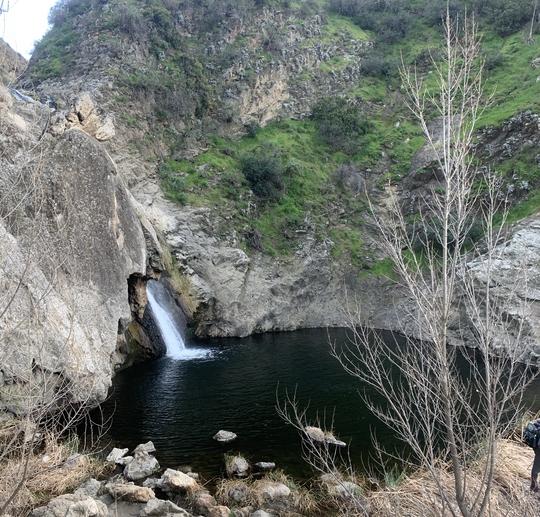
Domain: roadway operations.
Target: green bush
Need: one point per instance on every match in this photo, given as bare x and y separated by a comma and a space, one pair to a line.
172, 183
264, 170
340, 124
376, 64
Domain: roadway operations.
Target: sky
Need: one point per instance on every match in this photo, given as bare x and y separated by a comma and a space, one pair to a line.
24, 23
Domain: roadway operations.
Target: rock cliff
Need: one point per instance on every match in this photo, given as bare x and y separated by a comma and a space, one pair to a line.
12, 64
70, 240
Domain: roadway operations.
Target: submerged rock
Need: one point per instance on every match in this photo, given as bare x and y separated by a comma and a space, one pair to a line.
265, 465
142, 466
236, 466
225, 436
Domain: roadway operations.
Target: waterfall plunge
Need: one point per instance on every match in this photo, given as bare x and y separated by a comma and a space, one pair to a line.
164, 310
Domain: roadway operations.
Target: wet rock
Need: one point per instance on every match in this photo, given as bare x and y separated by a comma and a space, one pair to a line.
142, 466
147, 447
265, 465
130, 492
161, 508
72, 505
116, 454
225, 436
175, 481
236, 466
270, 491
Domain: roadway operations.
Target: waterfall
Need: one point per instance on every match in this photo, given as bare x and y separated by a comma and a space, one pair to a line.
169, 320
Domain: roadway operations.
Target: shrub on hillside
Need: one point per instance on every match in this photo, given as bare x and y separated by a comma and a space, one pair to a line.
264, 171
340, 123
376, 64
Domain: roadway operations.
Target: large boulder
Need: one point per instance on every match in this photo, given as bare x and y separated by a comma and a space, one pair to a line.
142, 466
75, 239
72, 505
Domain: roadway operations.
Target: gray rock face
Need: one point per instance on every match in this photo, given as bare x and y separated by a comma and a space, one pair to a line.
89, 488
12, 64
67, 250
236, 295
515, 288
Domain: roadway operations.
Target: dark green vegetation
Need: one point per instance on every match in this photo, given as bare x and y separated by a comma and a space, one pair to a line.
292, 178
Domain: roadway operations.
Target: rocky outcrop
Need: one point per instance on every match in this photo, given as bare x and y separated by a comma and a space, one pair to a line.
12, 64
237, 295
514, 283
69, 240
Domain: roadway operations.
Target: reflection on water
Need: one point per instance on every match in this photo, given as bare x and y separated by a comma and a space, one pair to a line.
180, 405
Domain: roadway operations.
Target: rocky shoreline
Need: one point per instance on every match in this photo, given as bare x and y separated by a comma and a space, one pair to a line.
137, 486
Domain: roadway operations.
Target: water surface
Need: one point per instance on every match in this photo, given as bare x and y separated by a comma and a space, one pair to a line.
180, 405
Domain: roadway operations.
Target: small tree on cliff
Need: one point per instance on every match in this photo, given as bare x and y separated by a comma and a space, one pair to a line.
452, 424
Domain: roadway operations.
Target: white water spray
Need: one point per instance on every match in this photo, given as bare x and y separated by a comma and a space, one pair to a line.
167, 325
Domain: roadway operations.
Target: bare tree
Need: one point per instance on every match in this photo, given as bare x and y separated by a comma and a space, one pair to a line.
451, 423
440, 414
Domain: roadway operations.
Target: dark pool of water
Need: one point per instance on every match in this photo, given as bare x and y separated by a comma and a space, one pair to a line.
180, 405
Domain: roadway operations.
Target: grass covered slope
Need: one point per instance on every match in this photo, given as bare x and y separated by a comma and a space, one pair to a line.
205, 76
